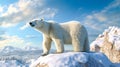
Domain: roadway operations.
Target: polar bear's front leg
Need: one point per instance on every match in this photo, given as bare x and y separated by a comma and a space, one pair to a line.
46, 46
59, 45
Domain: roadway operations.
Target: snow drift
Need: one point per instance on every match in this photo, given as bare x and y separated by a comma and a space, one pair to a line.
73, 59
109, 43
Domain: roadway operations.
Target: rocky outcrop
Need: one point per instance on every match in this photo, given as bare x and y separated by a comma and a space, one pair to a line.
73, 59
108, 43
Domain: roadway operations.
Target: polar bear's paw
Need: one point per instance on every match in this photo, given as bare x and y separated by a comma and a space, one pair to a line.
58, 52
44, 54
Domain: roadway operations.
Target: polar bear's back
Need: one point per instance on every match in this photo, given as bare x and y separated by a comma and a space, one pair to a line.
69, 29
72, 26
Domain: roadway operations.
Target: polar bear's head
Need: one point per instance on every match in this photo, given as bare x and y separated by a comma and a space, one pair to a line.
37, 23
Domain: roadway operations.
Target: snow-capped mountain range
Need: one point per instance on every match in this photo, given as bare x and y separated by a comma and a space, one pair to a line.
8, 49
18, 57
10, 52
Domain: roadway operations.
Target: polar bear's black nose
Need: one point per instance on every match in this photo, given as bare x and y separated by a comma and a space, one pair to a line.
31, 24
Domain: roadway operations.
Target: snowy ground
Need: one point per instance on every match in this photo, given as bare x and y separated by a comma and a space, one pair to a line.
73, 59
16, 57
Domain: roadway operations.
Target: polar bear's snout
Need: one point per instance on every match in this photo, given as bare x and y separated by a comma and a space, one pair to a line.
32, 24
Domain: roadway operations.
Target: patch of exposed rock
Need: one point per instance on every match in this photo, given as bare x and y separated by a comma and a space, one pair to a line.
108, 43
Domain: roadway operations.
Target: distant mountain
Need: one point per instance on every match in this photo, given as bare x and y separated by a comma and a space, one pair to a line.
29, 48
8, 49
15, 53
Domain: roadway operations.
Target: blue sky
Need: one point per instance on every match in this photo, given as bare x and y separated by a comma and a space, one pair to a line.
96, 15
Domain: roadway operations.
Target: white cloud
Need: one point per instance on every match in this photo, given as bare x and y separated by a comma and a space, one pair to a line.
4, 24
100, 17
109, 16
10, 40
114, 4
89, 17
32, 36
1, 9
7, 40
25, 10
16, 41
98, 21
11, 9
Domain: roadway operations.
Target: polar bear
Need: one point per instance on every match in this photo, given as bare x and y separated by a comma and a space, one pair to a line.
62, 33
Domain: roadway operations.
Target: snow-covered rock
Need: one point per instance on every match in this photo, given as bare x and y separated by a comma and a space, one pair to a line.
109, 43
73, 59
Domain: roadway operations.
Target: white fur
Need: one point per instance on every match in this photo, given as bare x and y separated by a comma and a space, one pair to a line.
62, 33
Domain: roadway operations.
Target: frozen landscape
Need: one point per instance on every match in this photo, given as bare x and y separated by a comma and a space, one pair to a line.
21, 45
16, 57
30, 56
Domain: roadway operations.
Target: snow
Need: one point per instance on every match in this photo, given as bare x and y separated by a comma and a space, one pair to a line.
25, 58
18, 57
113, 34
73, 59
